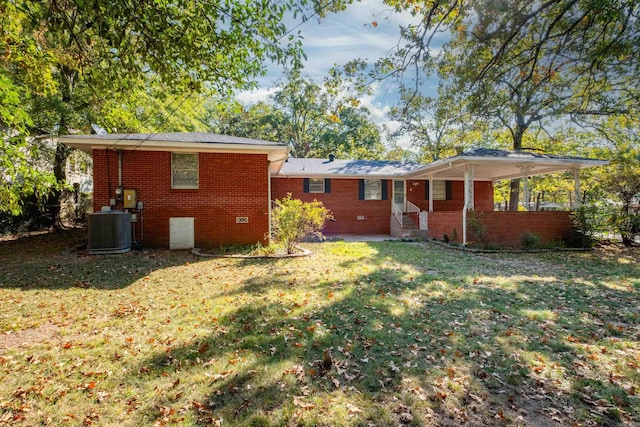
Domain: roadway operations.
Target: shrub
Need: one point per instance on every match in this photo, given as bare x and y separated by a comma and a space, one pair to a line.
292, 220
589, 222
477, 229
530, 240
628, 225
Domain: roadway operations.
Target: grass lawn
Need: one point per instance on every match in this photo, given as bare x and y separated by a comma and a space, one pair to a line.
357, 334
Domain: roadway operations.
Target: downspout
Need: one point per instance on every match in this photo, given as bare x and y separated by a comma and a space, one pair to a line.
464, 222
269, 199
120, 169
468, 199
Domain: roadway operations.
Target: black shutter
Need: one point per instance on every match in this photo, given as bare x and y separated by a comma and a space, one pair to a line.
385, 193
327, 185
361, 189
426, 190
448, 190
305, 185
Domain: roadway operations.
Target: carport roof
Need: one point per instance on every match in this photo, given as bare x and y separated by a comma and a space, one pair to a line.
493, 165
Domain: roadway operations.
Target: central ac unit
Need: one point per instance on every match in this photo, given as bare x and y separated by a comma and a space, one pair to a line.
109, 232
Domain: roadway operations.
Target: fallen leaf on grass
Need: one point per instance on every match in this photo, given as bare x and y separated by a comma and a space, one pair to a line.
352, 409
204, 348
299, 402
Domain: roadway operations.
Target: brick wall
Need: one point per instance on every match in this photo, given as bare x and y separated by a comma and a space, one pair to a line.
483, 194
449, 223
231, 185
507, 228
343, 203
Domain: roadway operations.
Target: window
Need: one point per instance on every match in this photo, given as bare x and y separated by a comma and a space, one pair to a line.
372, 189
441, 190
184, 170
316, 185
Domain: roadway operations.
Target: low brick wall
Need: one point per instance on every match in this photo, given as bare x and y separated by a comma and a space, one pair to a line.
503, 228
447, 222
507, 228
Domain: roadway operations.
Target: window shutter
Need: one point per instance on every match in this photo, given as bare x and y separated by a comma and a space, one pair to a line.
426, 190
448, 190
385, 192
327, 185
305, 185
361, 189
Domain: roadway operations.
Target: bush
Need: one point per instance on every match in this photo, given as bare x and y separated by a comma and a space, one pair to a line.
292, 220
589, 222
530, 240
477, 229
628, 225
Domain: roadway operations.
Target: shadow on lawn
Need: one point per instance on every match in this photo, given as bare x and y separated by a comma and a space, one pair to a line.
451, 348
53, 261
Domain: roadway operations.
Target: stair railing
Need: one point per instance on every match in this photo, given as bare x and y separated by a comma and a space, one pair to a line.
396, 211
411, 208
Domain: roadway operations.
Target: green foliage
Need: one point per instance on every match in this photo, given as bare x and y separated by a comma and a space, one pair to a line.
589, 221
521, 67
628, 225
530, 240
127, 66
292, 220
477, 229
315, 120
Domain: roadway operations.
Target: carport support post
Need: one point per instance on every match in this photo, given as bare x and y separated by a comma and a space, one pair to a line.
430, 184
576, 188
468, 199
525, 181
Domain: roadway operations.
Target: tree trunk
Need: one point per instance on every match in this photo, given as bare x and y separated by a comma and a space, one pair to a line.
514, 194
54, 207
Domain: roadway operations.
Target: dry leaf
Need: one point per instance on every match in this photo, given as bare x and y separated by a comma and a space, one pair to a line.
352, 409
299, 401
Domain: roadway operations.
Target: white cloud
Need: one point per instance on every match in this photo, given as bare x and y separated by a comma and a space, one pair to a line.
403, 141
251, 97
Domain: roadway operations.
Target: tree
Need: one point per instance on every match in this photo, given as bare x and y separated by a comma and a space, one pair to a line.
259, 121
438, 127
67, 58
315, 120
621, 179
521, 63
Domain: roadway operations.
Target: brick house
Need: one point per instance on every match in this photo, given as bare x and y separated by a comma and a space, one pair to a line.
207, 190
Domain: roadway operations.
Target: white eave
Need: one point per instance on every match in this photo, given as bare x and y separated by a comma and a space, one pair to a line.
487, 168
182, 143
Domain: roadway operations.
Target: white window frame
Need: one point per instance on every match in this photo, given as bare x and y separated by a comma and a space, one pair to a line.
368, 183
316, 185
439, 188
195, 171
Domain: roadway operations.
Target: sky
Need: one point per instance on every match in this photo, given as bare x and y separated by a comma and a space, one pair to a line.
339, 38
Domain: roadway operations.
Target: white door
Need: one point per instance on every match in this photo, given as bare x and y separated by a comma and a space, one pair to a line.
399, 194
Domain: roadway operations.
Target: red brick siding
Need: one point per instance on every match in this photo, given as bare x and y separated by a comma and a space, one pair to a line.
343, 203
231, 185
483, 195
449, 223
507, 228
504, 228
